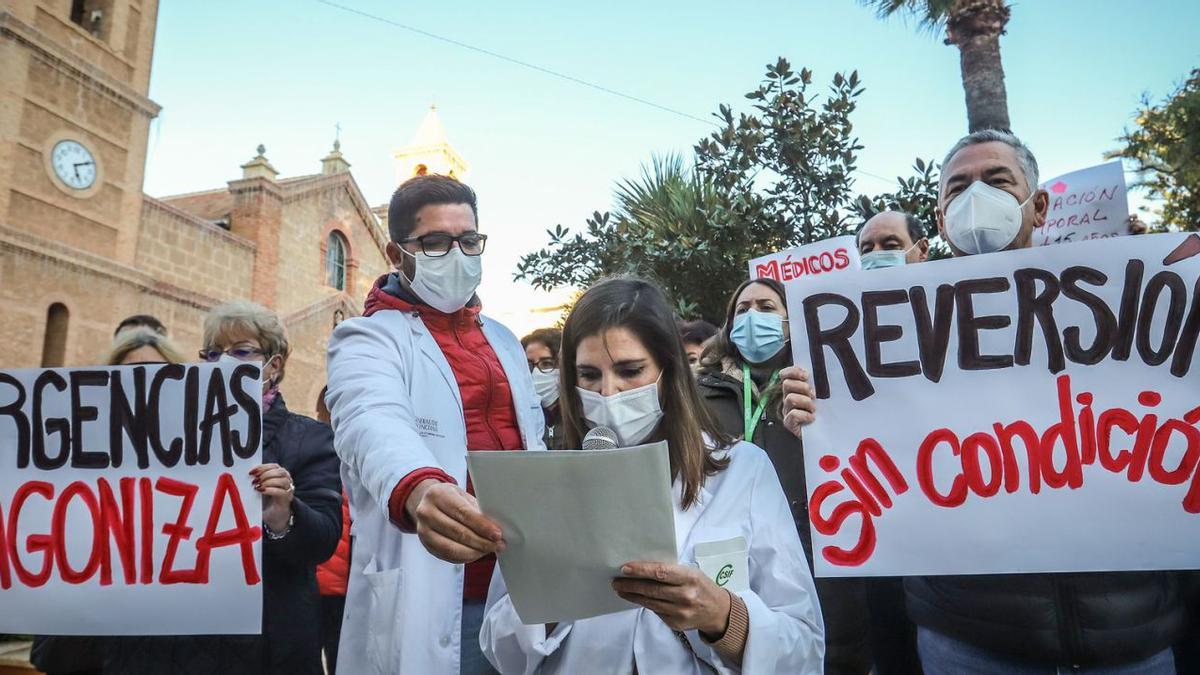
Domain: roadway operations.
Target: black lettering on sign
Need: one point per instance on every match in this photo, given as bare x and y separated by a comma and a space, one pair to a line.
252, 405
81, 458
1106, 321
1031, 306
875, 334
42, 427
1186, 347
129, 421
14, 412
167, 455
838, 340
191, 414
1176, 305
969, 325
1127, 317
217, 412
933, 334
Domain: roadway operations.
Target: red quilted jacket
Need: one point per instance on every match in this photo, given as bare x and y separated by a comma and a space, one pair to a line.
333, 574
486, 395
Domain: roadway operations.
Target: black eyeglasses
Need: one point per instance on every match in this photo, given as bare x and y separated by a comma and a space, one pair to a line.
212, 354
437, 244
545, 365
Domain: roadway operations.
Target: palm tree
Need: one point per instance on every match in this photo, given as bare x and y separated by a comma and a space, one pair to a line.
975, 27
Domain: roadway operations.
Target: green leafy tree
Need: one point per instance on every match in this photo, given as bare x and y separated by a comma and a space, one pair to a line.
786, 167
763, 182
661, 227
975, 27
916, 195
1165, 151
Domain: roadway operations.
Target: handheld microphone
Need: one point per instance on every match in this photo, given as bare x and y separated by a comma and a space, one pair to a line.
600, 438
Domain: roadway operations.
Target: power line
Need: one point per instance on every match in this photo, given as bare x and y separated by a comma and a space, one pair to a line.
523, 64
537, 68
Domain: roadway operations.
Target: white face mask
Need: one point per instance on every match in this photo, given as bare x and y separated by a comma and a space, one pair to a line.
632, 414
983, 219
447, 282
546, 386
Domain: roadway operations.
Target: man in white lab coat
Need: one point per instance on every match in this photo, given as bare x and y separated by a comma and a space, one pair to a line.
413, 384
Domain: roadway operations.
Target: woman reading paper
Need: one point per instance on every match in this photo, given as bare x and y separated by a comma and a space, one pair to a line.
740, 596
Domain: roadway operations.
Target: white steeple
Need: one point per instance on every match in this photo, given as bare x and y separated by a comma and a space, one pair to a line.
429, 152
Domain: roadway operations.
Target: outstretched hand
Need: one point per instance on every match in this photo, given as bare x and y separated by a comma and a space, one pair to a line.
450, 524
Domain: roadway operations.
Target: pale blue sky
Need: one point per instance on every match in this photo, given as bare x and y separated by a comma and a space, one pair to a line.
231, 74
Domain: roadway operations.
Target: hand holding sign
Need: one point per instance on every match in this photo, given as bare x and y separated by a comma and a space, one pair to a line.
277, 488
799, 408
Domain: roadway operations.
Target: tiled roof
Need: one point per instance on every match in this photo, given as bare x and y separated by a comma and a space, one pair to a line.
211, 205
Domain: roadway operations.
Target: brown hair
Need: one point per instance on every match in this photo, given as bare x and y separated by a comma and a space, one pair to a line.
721, 350
551, 337
419, 192
642, 308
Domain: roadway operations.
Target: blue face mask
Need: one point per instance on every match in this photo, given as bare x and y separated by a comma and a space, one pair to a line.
758, 335
880, 258
877, 259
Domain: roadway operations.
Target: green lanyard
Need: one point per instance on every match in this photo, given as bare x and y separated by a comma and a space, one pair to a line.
750, 421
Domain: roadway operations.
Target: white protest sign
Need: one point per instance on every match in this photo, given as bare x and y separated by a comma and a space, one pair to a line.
1089, 203
829, 256
1027, 411
126, 506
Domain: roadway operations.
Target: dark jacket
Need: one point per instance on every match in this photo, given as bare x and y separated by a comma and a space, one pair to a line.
843, 601
290, 642
555, 437
1054, 619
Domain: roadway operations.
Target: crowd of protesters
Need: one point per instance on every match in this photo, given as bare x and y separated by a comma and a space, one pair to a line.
378, 559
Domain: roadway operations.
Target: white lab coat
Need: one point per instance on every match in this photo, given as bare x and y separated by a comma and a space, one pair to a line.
396, 407
786, 628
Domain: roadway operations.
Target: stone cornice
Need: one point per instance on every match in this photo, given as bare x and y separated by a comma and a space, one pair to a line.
23, 243
338, 299
149, 202
13, 28
256, 184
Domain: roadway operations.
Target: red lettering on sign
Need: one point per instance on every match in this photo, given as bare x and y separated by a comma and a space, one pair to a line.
58, 530
33, 543
988, 460
126, 522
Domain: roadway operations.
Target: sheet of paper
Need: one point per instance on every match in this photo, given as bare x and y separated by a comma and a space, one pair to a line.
571, 518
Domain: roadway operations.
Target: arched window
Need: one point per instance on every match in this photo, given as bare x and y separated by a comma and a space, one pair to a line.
335, 261
54, 345
421, 170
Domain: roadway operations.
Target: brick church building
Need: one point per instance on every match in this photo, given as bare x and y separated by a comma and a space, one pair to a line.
81, 246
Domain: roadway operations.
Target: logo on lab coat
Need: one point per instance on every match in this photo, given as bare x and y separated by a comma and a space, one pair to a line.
724, 575
427, 426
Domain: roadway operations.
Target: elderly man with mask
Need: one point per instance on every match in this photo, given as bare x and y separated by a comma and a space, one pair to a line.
414, 384
892, 238
1115, 623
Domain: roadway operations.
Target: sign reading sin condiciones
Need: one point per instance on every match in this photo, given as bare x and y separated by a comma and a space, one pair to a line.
1026, 411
